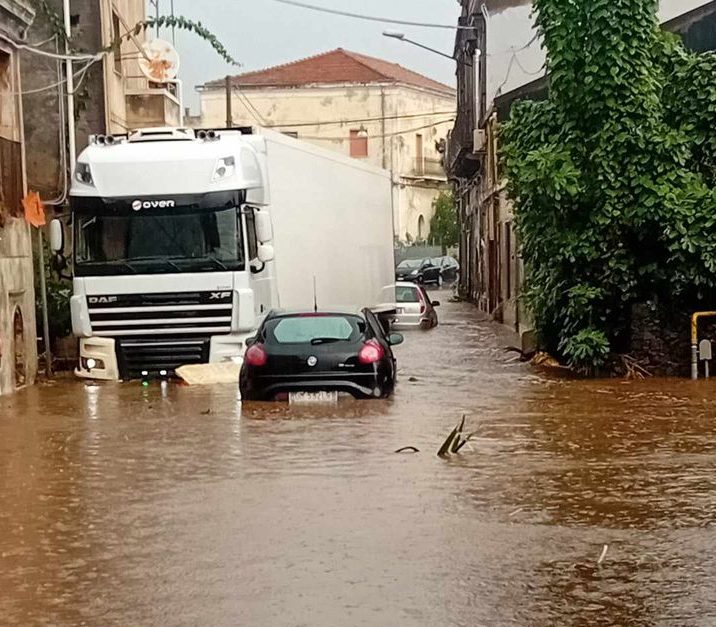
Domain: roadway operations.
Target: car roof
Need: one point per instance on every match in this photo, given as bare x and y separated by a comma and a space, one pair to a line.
329, 311
402, 284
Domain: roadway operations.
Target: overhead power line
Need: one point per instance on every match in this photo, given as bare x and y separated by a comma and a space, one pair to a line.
406, 116
381, 136
371, 18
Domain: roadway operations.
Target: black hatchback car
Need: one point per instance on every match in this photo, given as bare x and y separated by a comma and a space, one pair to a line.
419, 271
314, 352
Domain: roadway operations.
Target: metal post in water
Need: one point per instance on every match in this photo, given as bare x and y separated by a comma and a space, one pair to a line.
45, 316
694, 362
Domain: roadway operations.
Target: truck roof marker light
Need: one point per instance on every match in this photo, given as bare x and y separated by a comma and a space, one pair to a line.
209, 135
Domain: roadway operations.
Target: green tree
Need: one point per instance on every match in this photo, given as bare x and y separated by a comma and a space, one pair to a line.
612, 177
444, 227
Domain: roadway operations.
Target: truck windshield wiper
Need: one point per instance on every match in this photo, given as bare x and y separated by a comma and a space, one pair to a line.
163, 260
216, 262
119, 262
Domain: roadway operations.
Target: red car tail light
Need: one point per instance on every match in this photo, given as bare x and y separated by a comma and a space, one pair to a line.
423, 304
371, 352
256, 356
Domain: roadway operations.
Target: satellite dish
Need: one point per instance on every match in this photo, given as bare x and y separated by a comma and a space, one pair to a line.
160, 61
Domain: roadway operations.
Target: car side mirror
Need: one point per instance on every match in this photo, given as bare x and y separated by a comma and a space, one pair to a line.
265, 253
250, 341
435, 303
395, 338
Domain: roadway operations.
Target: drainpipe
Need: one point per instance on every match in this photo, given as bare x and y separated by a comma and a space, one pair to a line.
478, 89
70, 90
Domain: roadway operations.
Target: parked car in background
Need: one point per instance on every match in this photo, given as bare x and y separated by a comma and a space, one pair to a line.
419, 271
449, 268
299, 354
413, 306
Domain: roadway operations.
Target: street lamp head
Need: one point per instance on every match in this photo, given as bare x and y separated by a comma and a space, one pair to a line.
394, 34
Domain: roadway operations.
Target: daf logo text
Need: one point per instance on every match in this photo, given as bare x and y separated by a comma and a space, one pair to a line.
102, 300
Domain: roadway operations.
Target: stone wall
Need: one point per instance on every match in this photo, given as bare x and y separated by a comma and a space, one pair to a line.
41, 110
661, 339
17, 296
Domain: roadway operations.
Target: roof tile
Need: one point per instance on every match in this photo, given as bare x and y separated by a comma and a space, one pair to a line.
337, 66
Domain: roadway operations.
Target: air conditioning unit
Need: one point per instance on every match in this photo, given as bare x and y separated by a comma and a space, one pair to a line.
479, 140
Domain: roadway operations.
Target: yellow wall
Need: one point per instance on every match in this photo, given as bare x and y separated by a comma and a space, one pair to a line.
391, 141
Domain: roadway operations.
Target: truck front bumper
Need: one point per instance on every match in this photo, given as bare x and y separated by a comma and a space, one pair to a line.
98, 359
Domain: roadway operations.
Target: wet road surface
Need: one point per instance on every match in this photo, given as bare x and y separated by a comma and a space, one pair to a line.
170, 505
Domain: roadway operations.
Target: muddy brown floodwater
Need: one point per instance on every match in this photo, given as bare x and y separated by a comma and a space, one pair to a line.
170, 505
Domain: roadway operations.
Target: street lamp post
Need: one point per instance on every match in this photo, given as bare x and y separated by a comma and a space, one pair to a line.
401, 37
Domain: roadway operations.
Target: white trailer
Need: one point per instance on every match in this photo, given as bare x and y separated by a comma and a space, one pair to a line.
332, 221
183, 241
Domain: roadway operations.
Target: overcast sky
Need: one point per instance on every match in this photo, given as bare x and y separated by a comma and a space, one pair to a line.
261, 33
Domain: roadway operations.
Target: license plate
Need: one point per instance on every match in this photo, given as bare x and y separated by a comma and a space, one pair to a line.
298, 398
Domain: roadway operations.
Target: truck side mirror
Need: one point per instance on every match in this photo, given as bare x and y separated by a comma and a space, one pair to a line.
57, 236
264, 228
265, 253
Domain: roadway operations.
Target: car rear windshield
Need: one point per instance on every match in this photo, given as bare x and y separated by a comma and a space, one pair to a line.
409, 264
310, 329
406, 294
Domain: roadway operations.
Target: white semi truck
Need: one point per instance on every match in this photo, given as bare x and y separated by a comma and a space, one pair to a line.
183, 240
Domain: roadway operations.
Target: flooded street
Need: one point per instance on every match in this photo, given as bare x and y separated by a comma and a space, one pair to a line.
171, 505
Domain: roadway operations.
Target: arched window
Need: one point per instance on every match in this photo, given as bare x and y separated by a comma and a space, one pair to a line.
421, 228
19, 347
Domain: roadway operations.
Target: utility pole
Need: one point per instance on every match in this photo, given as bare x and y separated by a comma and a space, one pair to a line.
229, 114
174, 37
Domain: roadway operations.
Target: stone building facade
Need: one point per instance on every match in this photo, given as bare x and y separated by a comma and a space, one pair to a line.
18, 340
111, 95
508, 68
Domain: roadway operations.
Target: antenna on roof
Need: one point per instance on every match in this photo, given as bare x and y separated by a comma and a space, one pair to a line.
315, 297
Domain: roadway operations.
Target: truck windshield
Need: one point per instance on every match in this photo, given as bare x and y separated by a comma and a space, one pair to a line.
187, 241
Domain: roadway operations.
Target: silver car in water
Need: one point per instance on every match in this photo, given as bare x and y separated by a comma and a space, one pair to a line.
413, 306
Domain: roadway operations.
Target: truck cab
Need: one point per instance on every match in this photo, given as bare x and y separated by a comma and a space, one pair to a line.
172, 250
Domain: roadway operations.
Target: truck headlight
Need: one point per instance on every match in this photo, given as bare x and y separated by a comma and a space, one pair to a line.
224, 168
83, 173
88, 363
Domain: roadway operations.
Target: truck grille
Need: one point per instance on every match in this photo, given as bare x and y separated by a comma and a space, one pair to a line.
151, 315
137, 356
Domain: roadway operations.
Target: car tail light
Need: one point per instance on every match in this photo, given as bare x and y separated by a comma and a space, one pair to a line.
423, 304
256, 356
371, 352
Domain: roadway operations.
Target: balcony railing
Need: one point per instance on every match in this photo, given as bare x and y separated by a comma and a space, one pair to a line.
459, 160
428, 167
